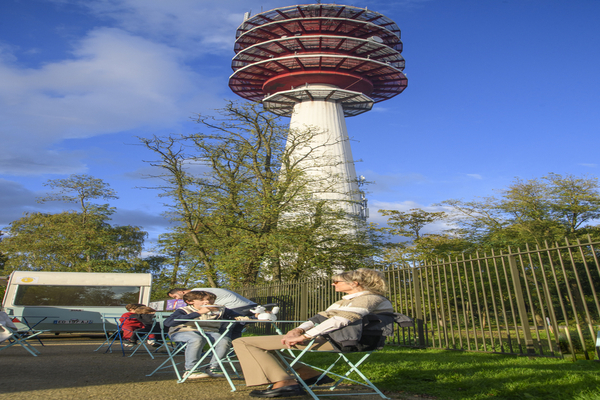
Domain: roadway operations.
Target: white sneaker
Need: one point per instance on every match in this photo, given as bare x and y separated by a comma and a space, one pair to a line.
195, 375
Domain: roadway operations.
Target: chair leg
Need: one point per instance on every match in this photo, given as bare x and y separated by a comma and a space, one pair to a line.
142, 338
171, 358
285, 358
16, 338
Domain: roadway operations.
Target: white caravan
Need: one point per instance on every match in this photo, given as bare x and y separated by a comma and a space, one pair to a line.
73, 301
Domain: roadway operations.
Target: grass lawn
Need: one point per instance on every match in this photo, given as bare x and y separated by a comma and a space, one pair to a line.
465, 375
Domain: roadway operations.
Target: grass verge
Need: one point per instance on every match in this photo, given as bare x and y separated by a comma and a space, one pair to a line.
454, 375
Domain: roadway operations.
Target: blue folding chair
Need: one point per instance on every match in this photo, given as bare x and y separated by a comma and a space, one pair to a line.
116, 336
143, 338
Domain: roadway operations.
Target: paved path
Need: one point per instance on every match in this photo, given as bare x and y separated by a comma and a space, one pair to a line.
68, 368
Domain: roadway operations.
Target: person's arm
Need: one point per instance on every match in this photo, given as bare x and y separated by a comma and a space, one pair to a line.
330, 324
125, 317
357, 309
230, 314
308, 330
178, 314
305, 326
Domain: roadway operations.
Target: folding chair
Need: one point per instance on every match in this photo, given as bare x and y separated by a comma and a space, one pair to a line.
25, 325
111, 338
20, 338
369, 342
289, 360
229, 358
175, 348
144, 336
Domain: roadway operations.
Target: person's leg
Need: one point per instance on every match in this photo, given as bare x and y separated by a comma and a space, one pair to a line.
221, 348
236, 330
127, 332
261, 366
195, 344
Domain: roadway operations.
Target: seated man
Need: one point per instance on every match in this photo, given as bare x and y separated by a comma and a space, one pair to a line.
199, 309
225, 297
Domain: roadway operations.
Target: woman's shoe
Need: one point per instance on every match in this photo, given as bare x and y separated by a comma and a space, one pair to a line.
284, 391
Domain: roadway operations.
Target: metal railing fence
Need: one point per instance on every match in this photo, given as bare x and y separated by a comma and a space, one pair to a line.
541, 301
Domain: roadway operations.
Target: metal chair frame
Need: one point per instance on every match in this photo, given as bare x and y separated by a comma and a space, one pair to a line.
111, 338
143, 337
21, 337
180, 346
288, 358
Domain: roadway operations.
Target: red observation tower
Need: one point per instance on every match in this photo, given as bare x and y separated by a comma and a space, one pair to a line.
319, 63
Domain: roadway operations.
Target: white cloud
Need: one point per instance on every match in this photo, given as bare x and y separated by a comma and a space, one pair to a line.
113, 82
475, 176
200, 26
589, 165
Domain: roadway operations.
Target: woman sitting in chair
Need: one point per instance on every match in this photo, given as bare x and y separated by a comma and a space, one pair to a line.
364, 290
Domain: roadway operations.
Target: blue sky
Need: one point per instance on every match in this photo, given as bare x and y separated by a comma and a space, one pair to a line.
497, 89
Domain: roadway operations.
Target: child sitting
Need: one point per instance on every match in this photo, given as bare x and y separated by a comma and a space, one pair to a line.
129, 324
187, 332
145, 316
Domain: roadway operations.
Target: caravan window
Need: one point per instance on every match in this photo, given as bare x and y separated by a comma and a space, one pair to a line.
76, 296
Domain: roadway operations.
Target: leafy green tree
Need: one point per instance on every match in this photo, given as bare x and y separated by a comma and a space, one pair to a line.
3, 257
80, 189
71, 240
410, 224
245, 203
533, 211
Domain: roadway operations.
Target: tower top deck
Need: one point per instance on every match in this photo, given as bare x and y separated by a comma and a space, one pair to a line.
352, 48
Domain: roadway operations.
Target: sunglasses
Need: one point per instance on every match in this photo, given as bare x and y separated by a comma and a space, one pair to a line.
335, 282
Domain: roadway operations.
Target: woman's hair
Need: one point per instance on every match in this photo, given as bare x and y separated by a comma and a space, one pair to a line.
145, 310
133, 306
368, 279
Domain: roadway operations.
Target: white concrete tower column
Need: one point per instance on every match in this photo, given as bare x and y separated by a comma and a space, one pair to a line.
330, 160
